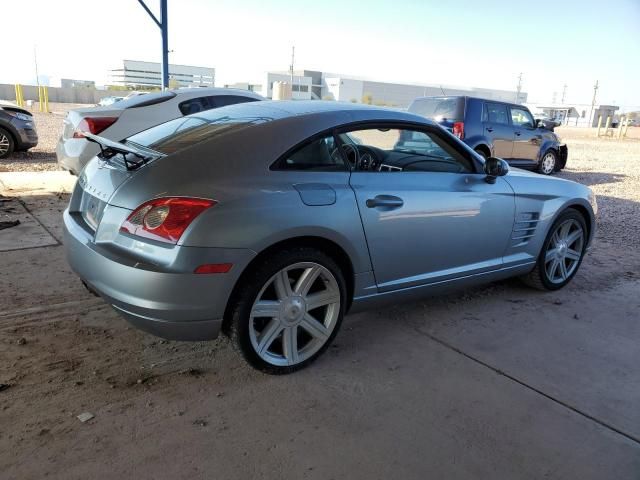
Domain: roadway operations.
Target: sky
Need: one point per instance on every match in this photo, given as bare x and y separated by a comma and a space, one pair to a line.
459, 43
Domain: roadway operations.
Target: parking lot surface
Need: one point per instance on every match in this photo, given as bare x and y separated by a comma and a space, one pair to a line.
496, 382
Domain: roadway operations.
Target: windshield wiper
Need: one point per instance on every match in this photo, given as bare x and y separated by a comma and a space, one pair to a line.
109, 148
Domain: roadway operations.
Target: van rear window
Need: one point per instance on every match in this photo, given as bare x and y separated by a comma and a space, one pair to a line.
439, 108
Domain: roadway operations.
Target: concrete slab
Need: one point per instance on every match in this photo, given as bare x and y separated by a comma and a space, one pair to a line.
34, 183
579, 346
29, 233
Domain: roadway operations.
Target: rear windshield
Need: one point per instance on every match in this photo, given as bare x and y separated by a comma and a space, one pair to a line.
439, 108
146, 99
184, 132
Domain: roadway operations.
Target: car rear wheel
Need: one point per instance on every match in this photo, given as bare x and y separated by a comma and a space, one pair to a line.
288, 310
6, 143
562, 253
548, 163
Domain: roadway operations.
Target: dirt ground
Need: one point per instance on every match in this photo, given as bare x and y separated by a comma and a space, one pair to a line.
494, 382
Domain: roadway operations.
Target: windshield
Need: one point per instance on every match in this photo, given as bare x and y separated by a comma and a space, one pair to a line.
175, 135
439, 108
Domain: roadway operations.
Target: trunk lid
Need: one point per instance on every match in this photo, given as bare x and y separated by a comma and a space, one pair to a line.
74, 117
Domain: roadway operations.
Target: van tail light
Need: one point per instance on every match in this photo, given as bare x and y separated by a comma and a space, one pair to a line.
93, 125
458, 130
165, 219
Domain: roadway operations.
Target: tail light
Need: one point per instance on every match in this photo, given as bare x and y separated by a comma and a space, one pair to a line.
165, 219
458, 130
93, 125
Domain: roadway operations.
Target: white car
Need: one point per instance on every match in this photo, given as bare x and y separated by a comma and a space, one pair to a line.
132, 115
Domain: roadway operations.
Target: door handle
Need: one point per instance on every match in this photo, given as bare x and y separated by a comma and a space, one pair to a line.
489, 129
385, 201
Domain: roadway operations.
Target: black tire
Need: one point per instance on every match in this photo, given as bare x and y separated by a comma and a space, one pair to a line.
548, 167
538, 278
250, 287
481, 152
7, 144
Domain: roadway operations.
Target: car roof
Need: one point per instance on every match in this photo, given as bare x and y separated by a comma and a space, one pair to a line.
280, 109
214, 91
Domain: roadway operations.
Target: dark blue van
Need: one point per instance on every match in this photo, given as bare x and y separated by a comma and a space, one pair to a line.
497, 129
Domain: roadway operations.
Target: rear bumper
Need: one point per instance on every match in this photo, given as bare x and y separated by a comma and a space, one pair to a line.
172, 305
563, 153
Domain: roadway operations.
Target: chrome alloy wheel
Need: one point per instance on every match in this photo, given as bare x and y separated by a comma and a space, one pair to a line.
4, 144
548, 163
564, 251
294, 314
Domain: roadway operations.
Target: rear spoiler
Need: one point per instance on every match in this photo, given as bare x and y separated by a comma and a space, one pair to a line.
109, 148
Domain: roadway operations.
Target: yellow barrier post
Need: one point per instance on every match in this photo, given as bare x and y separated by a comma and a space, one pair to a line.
620, 125
40, 99
607, 125
21, 96
599, 125
46, 99
626, 127
17, 95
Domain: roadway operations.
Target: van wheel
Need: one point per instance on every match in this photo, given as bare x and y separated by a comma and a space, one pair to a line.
481, 152
548, 163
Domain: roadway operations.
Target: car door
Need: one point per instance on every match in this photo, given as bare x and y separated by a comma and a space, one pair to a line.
527, 138
427, 214
496, 125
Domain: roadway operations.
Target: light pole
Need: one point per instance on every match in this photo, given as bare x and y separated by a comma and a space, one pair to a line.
164, 32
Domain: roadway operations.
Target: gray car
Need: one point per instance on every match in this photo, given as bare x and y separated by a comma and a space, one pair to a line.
271, 220
17, 130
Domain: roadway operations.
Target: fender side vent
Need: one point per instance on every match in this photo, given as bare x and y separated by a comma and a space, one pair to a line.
524, 228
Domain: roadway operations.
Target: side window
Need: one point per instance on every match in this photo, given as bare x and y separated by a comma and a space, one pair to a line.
404, 150
495, 113
194, 105
224, 100
521, 118
319, 154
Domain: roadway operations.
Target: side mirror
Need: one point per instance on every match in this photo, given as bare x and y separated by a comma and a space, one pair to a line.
495, 167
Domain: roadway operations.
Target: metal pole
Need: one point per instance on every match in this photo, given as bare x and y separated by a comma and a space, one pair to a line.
164, 27
519, 88
593, 102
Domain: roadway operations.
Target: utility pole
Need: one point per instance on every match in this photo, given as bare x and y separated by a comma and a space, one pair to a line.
163, 25
593, 102
35, 61
293, 56
519, 88
564, 92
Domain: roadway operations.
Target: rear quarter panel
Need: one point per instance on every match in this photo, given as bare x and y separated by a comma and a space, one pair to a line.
257, 207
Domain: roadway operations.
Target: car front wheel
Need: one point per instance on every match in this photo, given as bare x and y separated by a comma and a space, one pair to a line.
6, 143
561, 254
548, 163
288, 310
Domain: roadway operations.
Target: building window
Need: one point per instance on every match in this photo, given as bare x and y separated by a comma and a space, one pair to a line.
300, 88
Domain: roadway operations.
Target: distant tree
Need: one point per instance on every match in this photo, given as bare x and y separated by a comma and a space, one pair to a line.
367, 98
173, 83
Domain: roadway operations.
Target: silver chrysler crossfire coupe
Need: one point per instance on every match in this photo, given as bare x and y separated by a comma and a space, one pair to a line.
270, 221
